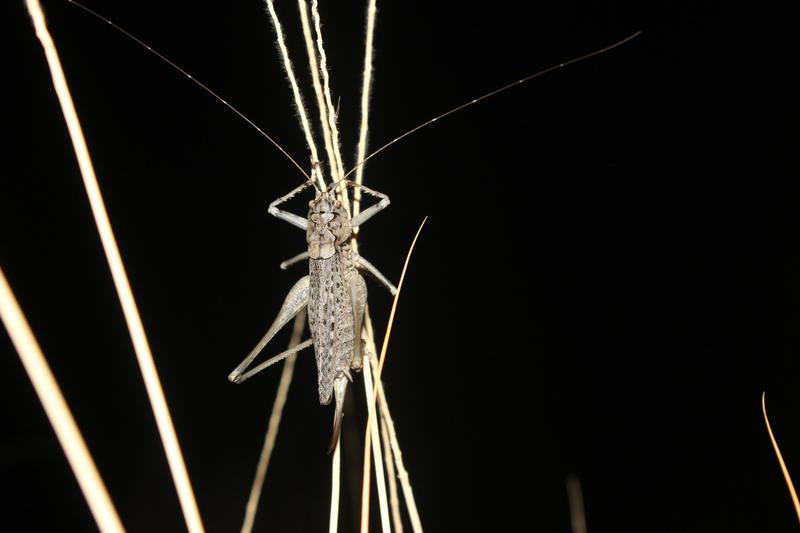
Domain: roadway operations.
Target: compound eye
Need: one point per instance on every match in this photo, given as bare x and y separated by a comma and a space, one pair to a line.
311, 204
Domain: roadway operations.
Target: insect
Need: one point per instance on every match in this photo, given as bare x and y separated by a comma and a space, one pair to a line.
334, 293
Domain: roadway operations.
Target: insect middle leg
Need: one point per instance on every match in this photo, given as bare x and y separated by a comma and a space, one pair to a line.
372, 210
303, 256
294, 302
360, 262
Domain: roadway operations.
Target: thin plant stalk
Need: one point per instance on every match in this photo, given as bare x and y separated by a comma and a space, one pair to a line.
323, 67
58, 412
141, 346
361, 149
376, 450
397, 454
402, 473
391, 474
378, 384
781, 462
396, 299
298, 99
273, 426
336, 476
311, 51
366, 472
577, 514
366, 89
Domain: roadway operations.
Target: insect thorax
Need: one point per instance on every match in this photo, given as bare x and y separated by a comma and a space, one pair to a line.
329, 227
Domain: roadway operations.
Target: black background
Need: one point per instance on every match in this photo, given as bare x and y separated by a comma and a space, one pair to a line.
608, 280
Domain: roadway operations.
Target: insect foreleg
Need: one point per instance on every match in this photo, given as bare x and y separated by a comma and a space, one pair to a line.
362, 263
371, 210
291, 218
294, 302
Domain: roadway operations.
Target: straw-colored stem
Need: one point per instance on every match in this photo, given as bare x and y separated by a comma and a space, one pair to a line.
366, 471
390, 323
57, 410
298, 99
391, 475
366, 88
311, 51
379, 385
365, 481
273, 426
376, 451
577, 515
784, 470
336, 467
132, 318
326, 84
402, 473
397, 454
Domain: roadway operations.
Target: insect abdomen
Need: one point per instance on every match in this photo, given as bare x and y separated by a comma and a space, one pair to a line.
330, 318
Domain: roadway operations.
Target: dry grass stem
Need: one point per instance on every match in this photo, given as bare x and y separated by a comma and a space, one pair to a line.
376, 451
577, 515
781, 462
336, 467
311, 51
365, 471
69, 436
273, 426
402, 473
298, 99
141, 346
391, 475
397, 454
366, 89
379, 386
323, 67
389, 324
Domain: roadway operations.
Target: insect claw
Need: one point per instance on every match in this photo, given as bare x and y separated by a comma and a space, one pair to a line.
235, 377
348, 374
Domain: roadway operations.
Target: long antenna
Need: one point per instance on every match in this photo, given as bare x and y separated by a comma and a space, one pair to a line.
191, 78
492, 93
